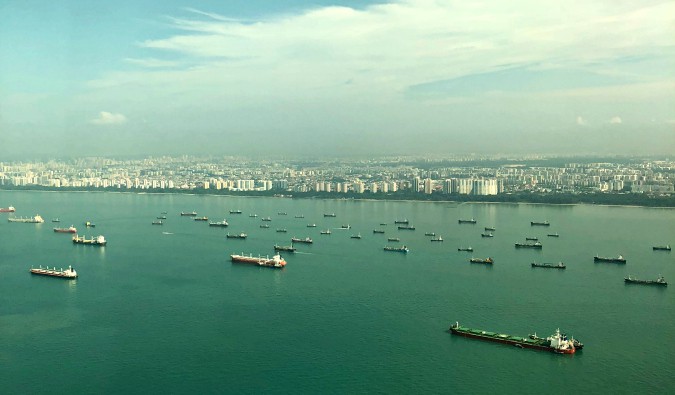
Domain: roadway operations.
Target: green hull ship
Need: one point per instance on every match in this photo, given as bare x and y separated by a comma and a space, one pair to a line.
557, 343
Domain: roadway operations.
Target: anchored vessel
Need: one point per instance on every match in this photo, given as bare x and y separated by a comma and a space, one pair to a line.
558, 265
487, 261
465, 249
68, 273
407, 227
72, 229
658, 281
190, 214
401, 221
158, 222
237, 236
393, 239
222, 224
201, 219
325, 232
532, 238
267, 219
553, 235
345, 227
311, 225
377, 231
430, 234
539, 223
297, 216
253, 215
306, 240
330, 215
467, 221
536, 245
439, 238
31, 220
358, 236
403, 249
235, 211
283, 230
618, 259
490, 229
487, 235
98, 241
264, 226
9, 209
275, 262
557, 343
284, 248
661, 248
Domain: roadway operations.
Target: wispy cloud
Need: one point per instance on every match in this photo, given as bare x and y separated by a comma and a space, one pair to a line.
108, 118
581, 121
615, 120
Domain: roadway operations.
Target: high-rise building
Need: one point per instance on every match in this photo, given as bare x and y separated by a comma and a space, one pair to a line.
428, 186
415, 184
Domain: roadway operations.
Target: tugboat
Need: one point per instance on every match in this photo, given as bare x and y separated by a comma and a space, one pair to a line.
556, 343
539, 223
284, 248
72, 229
578, 346
276, 261
188, 214
558, 265
69, 273
439, 238
487, 261
467, 221
237, 236
661, 248
659, 281
403, 249
98, 241
358, 236
325, 232
536, 245
222, 224
306, 240
469, 249
619, 259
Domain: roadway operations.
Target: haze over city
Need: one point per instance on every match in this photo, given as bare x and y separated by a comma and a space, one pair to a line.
335, 78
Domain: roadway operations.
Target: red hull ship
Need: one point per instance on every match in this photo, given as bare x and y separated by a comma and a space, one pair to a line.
9, 209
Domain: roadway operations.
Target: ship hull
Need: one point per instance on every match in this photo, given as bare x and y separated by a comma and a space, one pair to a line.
511, 340
264, 262
53, 273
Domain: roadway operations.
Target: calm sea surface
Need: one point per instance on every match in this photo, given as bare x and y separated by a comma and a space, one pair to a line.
161, 309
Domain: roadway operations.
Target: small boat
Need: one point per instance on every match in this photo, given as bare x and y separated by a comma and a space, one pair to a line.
659, 281
331, 215
201, 219
267, 219
282, 230
56, 220
325, 232
469, 249
539, 223
300, 216
162, 217
222, 224
69, 273
393, 239
558, 265
345, 227
439, 238
188, 214
403, 249
430, 234
164, 212
661, 248
237, 236
158, 222
378, 231
311, 225
235, 211
467, 221
90, 224
98, 241
487, 261
489, 229
264, 226
72, 229
618, 259
532, 238
284, 248
358, 236
306, 240
553, 235
487, 235
383, 224
282, 213
536, 245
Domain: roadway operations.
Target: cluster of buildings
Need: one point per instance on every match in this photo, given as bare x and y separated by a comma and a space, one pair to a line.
375, 176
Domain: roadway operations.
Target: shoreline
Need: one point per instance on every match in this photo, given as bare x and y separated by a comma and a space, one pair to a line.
457, 202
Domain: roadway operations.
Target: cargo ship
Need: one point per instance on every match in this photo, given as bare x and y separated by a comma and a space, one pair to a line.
661, 248
201, 219
377, 231
532, 238
557, 343
299, 216
72, 229
30, 220
358, 236
345, 227
306, 240
331, 215
267, 219
489, 229
618, 259
98, 241
325, 232
162, 217
430, 234
264, 226
275, 262
487, 235
253, 215
282, 213
235, 211
158, 222
553, 235
90, 224
222, 224
188, 214
536, 245
237, 236
68, 273
9, 209
401, 221
659, 281
469, 249
439, 238
486, 261
558, 265
539, 223
393, 239
408, 227
467, 221
403, 249
282, 230
311, 225
284, 248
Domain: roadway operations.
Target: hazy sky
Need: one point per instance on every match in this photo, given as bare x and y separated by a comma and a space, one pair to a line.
292, 77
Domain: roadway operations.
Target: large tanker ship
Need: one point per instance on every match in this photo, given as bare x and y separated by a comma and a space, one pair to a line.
557, 343
276, 261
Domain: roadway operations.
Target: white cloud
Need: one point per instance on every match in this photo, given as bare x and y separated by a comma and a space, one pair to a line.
581, 121
615, 120
108, 118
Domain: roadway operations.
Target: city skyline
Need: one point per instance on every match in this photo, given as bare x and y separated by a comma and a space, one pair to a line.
336, 78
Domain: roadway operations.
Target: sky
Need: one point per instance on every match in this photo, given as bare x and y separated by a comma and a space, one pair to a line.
293, 78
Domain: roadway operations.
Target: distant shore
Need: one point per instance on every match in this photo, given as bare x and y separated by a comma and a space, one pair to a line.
557, 199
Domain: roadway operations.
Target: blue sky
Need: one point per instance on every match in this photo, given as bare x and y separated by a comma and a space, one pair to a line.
336, 77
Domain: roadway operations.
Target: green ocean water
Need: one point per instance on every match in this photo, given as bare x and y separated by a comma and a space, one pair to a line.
161, 309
